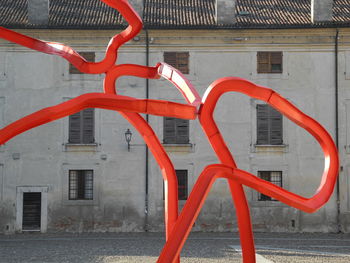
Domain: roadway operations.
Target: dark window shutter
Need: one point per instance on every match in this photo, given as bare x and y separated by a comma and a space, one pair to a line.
275, 127
179, 60
176, 131
74, 128
262, 124
269, 125
169, 130
182, 131
81, 127
88, 126
276, 62
269, 62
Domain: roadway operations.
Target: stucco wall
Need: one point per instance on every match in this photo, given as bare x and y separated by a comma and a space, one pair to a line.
30, 81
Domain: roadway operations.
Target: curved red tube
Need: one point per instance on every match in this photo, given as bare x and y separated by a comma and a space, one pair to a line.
331, 167
135, 26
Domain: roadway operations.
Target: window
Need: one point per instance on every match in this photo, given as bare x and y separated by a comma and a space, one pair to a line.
81, 127
176, 131
269, 62
179, 60
89, 56
269, 125
182, 184
80, 184
274, 177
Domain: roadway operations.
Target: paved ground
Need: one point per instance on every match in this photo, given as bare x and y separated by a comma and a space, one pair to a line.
201, 247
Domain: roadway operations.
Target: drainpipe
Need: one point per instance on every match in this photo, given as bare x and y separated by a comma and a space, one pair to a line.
337, 122
146, 151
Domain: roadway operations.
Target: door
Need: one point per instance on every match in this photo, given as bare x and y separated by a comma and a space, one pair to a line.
31, 211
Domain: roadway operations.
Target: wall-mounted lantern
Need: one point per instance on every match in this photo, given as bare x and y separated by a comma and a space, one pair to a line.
128, 135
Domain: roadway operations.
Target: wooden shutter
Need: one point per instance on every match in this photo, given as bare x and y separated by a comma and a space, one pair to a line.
81, 127
269, 125
169, 132
262, 126
182, 131
183, 62
176, 130
179, 60
263, 62
276, 125
74, 128
88, 126
276, 62
269, 62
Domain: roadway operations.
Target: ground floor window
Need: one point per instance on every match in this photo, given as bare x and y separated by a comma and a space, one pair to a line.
274, 177
81, 184
182, 184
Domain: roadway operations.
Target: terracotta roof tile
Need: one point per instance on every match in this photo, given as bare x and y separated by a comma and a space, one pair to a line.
86, 14
178, 13
63, 14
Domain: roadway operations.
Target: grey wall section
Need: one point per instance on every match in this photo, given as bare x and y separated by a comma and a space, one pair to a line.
41, 158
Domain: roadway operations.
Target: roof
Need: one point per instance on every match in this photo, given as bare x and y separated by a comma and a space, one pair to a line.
158, 14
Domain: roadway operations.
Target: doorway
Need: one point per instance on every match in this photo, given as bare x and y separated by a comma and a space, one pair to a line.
31, 212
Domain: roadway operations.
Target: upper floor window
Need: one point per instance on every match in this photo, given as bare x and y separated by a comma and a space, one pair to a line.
179, 60
269, 125
274, 177
81, 184
269, 62
89, 56
81, 127
176, 131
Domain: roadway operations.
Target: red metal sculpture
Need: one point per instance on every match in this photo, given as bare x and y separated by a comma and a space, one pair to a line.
178, 228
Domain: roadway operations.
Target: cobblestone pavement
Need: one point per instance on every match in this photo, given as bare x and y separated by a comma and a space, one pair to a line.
145, 247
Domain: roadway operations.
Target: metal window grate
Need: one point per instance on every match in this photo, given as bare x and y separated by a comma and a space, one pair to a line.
274, 177
80, 184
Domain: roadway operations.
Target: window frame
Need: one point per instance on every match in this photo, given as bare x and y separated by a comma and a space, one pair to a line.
82, 128
179, 186
179, 60
182, 186
176, 138
262, 197
270, 118
268, 58
81, 182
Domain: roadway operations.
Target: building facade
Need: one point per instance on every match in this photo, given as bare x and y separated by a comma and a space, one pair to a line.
77, 174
